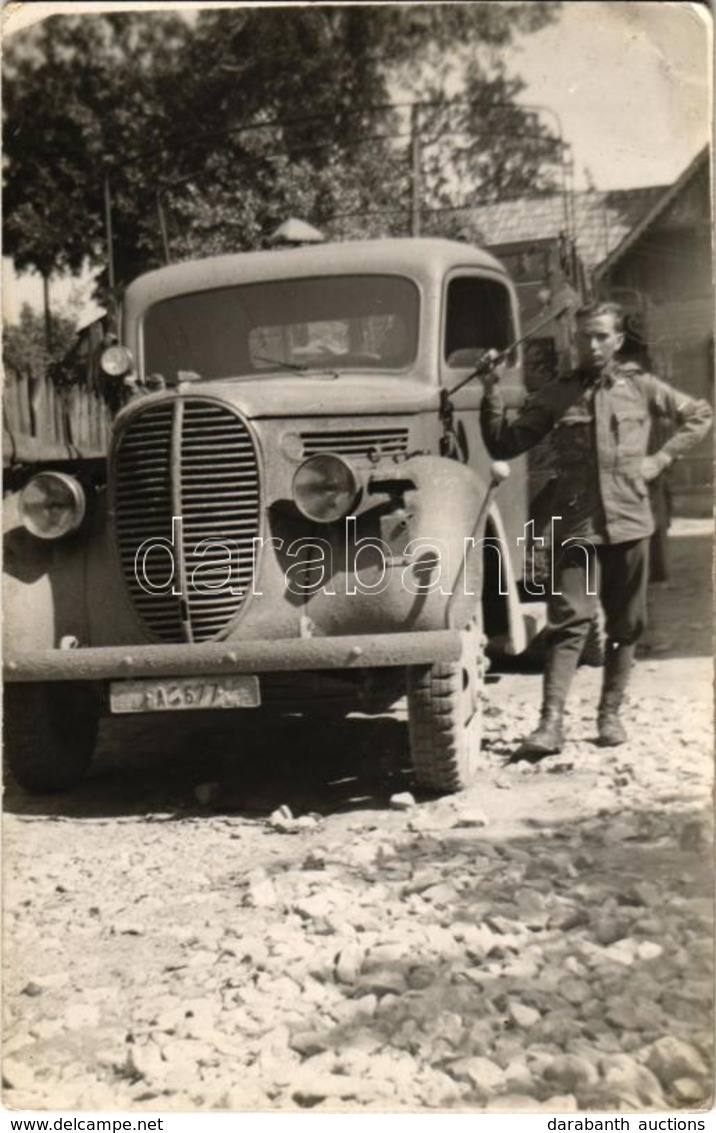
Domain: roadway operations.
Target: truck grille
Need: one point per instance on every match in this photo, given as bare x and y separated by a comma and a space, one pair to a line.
196, 459
357, 442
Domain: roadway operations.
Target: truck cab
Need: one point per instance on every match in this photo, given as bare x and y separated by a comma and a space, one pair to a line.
298, 513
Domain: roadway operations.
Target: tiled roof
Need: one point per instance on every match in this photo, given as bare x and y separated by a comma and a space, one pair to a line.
601, 219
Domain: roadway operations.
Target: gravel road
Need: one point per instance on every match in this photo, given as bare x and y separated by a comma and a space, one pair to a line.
215, 923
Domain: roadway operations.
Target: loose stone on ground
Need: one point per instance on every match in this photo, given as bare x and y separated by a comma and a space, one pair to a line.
541, 943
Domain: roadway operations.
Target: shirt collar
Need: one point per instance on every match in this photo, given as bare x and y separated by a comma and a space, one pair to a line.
598, 379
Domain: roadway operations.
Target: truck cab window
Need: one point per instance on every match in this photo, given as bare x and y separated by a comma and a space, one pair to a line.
352, 321
479, 318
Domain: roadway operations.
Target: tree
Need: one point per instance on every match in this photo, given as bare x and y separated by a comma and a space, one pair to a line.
217, 130
342, 159
84, 96
483, 147
24, 347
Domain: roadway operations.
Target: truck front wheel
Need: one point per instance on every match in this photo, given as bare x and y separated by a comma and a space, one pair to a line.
445, 711
50, 735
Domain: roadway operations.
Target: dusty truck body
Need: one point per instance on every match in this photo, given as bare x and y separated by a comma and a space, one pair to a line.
297, 515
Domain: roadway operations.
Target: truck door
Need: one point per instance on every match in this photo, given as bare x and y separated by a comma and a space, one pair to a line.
480, 313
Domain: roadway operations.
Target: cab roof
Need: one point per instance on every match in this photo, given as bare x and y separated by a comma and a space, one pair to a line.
424, 260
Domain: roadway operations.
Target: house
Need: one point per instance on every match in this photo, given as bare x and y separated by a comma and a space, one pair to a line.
661, 272
649, 249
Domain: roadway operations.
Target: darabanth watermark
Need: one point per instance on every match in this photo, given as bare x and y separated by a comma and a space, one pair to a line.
424, 563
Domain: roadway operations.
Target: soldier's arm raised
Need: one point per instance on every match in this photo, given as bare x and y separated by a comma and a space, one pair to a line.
507, 438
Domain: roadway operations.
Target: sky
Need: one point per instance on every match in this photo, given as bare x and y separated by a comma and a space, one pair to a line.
630, 82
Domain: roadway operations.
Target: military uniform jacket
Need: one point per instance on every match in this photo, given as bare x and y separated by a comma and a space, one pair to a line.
600, 432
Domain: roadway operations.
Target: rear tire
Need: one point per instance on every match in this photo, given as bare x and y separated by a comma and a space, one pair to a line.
445, 715
50, 735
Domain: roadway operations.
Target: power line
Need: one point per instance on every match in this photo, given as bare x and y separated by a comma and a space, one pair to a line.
316, 147
473, 104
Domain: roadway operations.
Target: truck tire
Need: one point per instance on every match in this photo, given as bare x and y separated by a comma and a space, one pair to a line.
50, 735
445, 714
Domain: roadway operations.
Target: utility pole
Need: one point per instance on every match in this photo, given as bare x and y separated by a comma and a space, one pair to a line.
163, 228
415, 178
108, 232
48, 315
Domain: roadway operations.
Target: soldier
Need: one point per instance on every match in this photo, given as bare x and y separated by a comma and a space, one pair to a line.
601, 417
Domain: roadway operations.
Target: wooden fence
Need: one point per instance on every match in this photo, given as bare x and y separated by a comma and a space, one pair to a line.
62, 413
43, 420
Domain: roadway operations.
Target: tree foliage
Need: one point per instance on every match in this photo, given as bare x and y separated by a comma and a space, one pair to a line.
85, 96
485, 147
222, 126
24, 347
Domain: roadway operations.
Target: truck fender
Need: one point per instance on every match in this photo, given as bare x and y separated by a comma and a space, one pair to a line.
448, 500
420, 512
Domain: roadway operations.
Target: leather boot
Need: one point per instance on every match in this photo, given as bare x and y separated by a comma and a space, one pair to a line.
618, 661
548, 736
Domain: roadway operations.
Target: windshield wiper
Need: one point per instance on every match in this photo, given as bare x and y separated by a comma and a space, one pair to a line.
300, 367
297, 367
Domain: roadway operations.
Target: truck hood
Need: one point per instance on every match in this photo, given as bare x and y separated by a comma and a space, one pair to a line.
324, 396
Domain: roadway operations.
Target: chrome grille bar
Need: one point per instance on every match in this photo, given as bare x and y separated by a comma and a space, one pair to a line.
193, 458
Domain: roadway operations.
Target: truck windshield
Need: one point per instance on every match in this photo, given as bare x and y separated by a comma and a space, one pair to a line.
334, 323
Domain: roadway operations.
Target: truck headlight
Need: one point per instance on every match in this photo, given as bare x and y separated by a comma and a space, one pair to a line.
51, 505
116, 361
325, 488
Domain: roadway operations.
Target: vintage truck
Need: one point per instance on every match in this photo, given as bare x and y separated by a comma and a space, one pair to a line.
297, 513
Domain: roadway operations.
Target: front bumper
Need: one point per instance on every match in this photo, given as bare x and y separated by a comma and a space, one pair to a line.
213, 658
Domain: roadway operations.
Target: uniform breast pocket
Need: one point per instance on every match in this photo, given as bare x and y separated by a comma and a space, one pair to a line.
630, 431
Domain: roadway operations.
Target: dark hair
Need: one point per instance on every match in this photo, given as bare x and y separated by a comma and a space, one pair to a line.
598, 307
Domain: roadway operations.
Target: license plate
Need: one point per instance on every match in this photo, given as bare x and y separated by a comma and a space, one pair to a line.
184, 693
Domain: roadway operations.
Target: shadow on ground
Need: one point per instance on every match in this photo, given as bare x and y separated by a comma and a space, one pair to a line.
576, 888
147, 765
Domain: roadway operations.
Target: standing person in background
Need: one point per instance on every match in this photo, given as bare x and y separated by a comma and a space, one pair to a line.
601, 417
